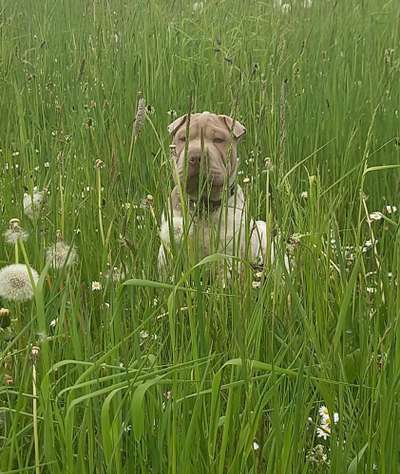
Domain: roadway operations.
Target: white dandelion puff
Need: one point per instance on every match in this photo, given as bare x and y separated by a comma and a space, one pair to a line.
15, 282
60, 255
33, 202
15, 233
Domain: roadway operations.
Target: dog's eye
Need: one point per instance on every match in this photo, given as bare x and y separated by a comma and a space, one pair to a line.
218, 140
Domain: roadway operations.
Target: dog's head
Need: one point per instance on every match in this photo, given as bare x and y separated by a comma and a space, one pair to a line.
205, 152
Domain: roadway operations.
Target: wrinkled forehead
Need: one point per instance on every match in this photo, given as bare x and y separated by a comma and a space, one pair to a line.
208, 124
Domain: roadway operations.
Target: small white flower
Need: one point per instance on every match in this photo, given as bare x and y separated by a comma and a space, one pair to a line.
60, 255
324, 414
324, 431
390, 209
246, 180
368, 244
336, 418
53, 323
256, 446
375, 216
304, 195
33, 203
144, 334
371, 290
15, 282
96, 286
256, 284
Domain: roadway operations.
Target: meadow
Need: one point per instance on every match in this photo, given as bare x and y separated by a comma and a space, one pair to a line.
111, 368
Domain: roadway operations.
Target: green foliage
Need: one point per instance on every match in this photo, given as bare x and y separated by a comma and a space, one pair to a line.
185, 374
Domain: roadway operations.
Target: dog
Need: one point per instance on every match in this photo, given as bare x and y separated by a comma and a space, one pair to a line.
207, 206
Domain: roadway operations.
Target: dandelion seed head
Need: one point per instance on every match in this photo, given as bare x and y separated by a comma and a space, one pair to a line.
33, 203
15, 283
61, 255
15, 232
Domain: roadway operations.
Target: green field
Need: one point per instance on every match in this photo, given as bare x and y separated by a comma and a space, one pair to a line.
184, 375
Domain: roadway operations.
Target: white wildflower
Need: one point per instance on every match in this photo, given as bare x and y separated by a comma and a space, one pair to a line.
15, 233
256, 284
324, 431
390, 209
144, 334
368, 244
60, 255
53, 323
96, 286
15, 282
304, 195
324, 414
33, 203
256, 446
375, 216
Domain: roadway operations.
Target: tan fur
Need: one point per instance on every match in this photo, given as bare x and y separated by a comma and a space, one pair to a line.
206, 144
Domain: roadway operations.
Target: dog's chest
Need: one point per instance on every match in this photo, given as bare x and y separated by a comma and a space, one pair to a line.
222, 230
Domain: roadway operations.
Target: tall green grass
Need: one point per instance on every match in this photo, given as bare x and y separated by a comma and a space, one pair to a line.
184, 375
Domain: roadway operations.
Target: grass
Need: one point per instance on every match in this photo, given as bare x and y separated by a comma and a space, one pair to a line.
180, 376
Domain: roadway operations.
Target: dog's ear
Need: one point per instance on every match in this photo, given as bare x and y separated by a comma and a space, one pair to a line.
176, 124
235, 127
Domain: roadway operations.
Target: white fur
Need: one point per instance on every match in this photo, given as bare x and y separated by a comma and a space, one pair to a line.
225, 230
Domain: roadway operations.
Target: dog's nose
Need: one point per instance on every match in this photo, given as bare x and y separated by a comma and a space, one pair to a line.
195, 159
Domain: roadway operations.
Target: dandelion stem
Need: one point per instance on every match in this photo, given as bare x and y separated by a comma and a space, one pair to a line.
98, 183
35, 421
